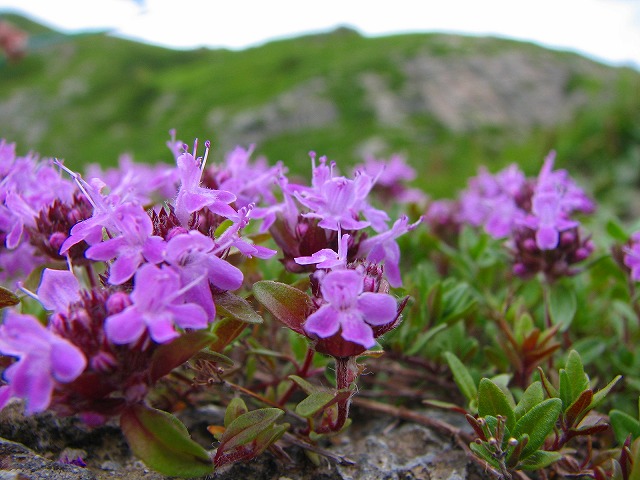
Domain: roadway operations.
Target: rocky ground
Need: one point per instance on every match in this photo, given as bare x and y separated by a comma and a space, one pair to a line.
376, 447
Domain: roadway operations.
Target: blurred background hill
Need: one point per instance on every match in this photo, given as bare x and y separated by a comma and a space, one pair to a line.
449, 103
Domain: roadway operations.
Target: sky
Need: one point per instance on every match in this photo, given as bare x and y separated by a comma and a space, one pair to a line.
605, 30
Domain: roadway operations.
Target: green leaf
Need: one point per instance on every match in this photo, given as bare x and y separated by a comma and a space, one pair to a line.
314, 403
8, 298
547, 385
616, 231
601, 394
162, 442
493, 401
235, 408
539, 459
422, 340
578, 380
532, 396
565, 388
562, 305
434, 301
458, 303
538, 423
171, 355
482, 451
461, 376
231, 305
306, 386
624, 424
288, 304
247, 426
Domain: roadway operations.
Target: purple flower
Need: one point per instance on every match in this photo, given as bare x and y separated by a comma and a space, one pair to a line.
58, 289
136, 182
384, 248
155, 307
133, 245
192, 197
43, 359
339, 201
390, 177
573, 198
349, 309
490, 201
190, 255
548, 219
632, 256
104, 213
231, 238
250, 182
328, 258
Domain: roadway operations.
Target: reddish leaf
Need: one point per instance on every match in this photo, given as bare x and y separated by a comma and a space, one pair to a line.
288, 304
8, 298
171, 355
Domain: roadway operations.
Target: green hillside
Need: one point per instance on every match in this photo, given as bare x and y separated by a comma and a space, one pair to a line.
449, 103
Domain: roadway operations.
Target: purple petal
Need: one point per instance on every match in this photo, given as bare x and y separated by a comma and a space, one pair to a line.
547, 238
161, 329
153, 249
354, 329
15, 234
67, 361
341, 287
32, 381
189, 316
155, 287
186, 242
123, 267
200, 294
193, 202
222, 208
377, 308
58, 289
323, 322
20, 333
125, 327
224, 275
5, 395
106, 250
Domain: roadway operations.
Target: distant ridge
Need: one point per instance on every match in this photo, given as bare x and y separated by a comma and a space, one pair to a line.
448, 102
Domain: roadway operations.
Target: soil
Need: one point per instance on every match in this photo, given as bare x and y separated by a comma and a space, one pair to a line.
374, 447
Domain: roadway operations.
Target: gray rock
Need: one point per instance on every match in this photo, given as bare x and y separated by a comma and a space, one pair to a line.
379, 448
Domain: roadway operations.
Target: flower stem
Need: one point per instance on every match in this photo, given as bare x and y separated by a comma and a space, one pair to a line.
347, 372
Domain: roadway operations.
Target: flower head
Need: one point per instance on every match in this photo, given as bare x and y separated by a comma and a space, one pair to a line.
192, 197
155, 308
349, 310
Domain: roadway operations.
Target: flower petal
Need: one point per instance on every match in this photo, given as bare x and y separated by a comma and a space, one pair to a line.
67, 361
124, 267
377, 308
32, 381
547, 238
355, 329
125, 327
161, 329
58, 289
224, 275
323, 322
189, 316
